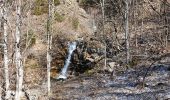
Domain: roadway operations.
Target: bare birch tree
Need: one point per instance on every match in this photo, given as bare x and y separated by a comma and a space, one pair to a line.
1, 14
127, 30
49, 41
18, 61
5, 46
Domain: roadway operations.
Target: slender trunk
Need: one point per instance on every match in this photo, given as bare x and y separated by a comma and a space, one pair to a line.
127, 31
5, 40
135, 26
1, 15
165, 23
49, 41
28, 39
142, 22
102, 2
28, 25
18, 61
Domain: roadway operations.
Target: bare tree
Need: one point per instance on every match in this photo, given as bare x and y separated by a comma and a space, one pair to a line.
135, 23
5, 46
127, 30
165, 19
102, 2
1, 24
49, 41
18, 61
1, 14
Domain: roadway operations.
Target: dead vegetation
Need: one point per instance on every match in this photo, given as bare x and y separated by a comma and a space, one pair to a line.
149, 47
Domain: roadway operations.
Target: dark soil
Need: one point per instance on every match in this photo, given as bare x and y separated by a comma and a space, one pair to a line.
120, 86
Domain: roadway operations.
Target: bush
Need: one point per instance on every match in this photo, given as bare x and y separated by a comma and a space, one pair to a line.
32, 63
40, 7
134, 62
29, 38
40, 2
75, 23
58, 17
37, 10
85, 3
56, 2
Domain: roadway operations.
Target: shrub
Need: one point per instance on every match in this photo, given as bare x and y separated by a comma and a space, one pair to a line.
88, 2
56, 2
29, 38
37, 10
58, 17
31, 63
40, 7
134, 62
75, 23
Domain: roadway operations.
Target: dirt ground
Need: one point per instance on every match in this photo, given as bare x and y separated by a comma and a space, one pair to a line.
124, 86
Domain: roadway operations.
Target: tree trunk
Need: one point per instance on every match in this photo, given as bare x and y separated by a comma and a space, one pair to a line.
1, 14
49, 40
5, 45
102, 2
135, 24
127, 31
28, 37
165, 13
18, 61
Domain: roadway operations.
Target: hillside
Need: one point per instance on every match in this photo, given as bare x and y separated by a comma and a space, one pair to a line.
99, 67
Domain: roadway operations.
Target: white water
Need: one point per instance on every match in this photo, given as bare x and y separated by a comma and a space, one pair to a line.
72, 47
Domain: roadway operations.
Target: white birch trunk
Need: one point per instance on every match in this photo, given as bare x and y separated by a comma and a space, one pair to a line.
5, 45
1, 15
127, 31
18, 61
49, 41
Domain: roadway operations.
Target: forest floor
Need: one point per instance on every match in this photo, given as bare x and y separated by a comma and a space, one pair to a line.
126, 85
123, 86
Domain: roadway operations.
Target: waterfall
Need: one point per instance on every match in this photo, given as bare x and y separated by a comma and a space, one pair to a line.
72, 47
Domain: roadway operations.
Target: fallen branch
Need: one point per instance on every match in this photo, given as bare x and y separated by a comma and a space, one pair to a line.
155, 60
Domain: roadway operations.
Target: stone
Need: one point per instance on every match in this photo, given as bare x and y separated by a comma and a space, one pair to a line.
111, 66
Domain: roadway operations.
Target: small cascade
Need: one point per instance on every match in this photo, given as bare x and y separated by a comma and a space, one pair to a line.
72, 47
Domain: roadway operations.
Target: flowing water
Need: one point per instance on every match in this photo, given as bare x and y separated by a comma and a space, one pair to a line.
72, 47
